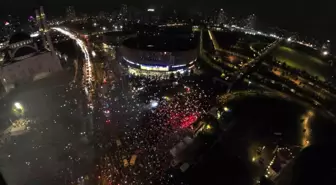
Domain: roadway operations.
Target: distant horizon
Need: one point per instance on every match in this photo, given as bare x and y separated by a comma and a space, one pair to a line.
314, 21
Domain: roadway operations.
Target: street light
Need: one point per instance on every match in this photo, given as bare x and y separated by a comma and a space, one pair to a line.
18, 109
18, 105
325, 53
93, 54
226, 109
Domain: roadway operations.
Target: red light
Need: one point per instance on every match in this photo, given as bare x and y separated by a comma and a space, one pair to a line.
6, 23
104, 81
187, 121
108, 121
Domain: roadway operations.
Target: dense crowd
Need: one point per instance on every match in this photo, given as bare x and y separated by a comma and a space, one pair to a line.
162, 114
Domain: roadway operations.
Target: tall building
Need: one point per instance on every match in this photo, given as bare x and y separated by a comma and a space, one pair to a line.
124, 10
151, 16
250, 22
123, 14
325, 49
221, 19
46, 32
70, 13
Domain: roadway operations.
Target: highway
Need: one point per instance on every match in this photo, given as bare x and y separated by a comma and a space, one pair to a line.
253, 64
88, 77
203, 55
218, 48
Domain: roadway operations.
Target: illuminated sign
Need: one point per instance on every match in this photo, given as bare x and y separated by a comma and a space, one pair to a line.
154, 68
182, 65
150, 10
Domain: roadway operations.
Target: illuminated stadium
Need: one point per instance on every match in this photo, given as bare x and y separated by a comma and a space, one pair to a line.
159, 55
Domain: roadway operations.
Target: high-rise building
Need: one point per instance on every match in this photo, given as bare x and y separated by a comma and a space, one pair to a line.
250, 22
70, 13
221, 19
325, 49
123, 13
151, 16
124, 10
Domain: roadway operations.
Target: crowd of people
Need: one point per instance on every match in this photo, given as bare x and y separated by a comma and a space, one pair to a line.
158, 114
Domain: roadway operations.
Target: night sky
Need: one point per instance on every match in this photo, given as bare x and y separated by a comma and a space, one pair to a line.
311, 18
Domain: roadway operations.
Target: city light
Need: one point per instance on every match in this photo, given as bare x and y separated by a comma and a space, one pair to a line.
325, 53
226, 109
18, 105
93, 53
154, 68
128, 115
182, 65
35, 34
18, 109
154, 103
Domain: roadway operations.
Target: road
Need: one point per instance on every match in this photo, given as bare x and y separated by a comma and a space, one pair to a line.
204, 55
218, 48
88, 77
252, 65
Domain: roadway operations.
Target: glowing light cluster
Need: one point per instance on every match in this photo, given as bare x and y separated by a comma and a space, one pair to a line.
154, 68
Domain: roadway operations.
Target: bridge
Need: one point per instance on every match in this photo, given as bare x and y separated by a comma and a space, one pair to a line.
218, 48
241, 74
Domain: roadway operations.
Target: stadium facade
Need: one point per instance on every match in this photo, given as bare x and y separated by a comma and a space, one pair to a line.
158, 55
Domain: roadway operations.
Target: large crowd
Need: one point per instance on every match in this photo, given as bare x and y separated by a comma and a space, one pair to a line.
160, 113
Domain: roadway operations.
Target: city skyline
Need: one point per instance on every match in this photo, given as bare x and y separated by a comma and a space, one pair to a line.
303, 17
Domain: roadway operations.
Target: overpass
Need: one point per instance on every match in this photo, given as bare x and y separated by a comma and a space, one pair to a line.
241, 74
218, 48
204, 55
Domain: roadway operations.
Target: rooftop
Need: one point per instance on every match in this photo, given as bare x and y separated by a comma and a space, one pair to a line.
161, 43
